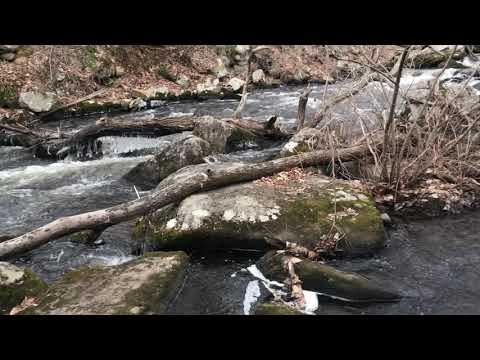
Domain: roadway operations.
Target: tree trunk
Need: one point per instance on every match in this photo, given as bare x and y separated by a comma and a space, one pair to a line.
198, 181
302, 105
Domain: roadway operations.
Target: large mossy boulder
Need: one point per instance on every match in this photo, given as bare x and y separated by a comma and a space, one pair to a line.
145, 286
312, 212
186, 151
222, 136
16, 284
324, 279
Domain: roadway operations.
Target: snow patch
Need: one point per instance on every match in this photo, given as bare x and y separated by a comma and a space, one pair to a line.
252, 293
171, 223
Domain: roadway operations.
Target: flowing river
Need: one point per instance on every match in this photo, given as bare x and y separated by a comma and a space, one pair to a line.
432, 263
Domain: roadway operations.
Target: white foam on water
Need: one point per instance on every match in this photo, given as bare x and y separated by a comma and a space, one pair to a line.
67, 170
111, 260
252, 293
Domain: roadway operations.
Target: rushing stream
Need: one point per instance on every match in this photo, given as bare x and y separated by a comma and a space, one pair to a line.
432, 263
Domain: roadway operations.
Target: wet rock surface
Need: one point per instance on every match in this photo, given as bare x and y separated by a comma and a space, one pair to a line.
145, 285
16, 284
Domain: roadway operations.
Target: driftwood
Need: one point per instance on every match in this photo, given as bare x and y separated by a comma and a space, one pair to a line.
170, 192
341, 96
250, 57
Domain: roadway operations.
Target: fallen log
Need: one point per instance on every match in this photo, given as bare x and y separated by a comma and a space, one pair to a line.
85, 139
207, 177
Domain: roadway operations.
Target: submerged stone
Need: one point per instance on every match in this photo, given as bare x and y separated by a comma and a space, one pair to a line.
186, 151
16, 284
324, 279
145, 285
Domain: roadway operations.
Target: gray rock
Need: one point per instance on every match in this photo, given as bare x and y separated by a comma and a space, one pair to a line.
37, 101
236, 84
16, 284
220, 70
258, 76
183, 81
186, 151
324, 279
145, 286
301, 76
386, 218
8, 48
307, 139
258, 216
242, 49
8, 56
222, 136
209, 88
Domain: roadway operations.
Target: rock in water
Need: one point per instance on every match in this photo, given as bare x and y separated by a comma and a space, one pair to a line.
145, 285
37, 101
326, 280
16, 284
187, 151
258, 77
275, 308
220, 70
269, 213
236, 84
223, 137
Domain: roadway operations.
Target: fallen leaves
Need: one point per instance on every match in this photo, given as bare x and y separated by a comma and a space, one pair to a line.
283, 178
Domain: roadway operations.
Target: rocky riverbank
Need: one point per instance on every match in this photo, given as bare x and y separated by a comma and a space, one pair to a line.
303, 215
42, 78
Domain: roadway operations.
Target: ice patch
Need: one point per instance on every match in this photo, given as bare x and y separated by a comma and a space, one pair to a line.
171, 224
311, 301
228, 214
290, 146
252, 293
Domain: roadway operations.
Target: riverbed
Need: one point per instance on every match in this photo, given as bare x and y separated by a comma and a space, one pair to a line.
432, 263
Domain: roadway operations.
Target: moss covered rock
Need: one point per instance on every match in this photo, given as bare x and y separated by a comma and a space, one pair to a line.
325, 279
16, 284
275, 308
186, 151
145, 285
313, 213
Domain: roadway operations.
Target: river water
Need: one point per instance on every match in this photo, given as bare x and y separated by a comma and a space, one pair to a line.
433, 263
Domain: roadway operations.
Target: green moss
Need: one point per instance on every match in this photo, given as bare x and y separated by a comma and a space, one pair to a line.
8, 96
307, 219
152, 297
90, 58
164, 73
275, 308
155, 296
12, 295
